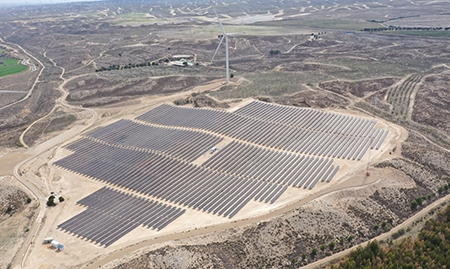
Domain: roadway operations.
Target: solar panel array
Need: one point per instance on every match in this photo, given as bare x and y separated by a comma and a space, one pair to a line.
270, 165
167, 178
157, 161
331, 135
184, 144
112, 214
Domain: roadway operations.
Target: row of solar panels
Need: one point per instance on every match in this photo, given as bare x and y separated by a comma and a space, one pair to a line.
306, 118
112, 214
184, 144
275, 135
274, 166
166, 178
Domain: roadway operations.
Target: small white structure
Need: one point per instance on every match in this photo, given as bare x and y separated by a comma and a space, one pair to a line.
182, 63
57, 245
186, 56
48, 240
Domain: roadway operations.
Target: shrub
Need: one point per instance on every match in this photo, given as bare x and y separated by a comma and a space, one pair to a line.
414, 205
419, 200
61, 199
8, 210
313, 252
51, 201
331, 245
28, 200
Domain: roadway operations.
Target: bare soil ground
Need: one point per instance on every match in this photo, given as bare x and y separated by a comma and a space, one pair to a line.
358, 88
60, 120
94, 91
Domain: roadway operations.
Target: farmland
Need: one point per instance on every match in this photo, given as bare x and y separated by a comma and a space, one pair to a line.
11, 66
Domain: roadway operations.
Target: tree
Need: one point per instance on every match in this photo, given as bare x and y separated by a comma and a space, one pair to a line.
28, 200
61, 199
331, 245
414, 205
313, 252
51, 201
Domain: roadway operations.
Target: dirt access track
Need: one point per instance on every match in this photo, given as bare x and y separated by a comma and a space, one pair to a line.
43, 176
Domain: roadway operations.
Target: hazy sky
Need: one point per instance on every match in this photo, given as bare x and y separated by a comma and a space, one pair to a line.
16, 2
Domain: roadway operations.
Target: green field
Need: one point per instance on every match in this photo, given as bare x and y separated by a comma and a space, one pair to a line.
11, 66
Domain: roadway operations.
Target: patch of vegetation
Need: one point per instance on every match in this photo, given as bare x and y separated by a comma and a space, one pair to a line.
400, 96
428, 250
11, 66
398, 234
129, 66
51, 201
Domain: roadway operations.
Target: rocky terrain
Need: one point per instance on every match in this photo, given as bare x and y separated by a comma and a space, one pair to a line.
16, 212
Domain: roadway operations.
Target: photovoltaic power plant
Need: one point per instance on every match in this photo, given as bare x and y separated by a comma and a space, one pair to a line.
272, 148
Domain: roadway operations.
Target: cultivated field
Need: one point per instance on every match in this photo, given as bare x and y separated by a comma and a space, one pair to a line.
9, 66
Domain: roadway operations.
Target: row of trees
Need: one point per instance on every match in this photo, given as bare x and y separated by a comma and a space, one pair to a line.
128, 66
399, 28
431, 249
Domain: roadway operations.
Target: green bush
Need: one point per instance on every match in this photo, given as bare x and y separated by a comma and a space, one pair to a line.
331, 245
51, 201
